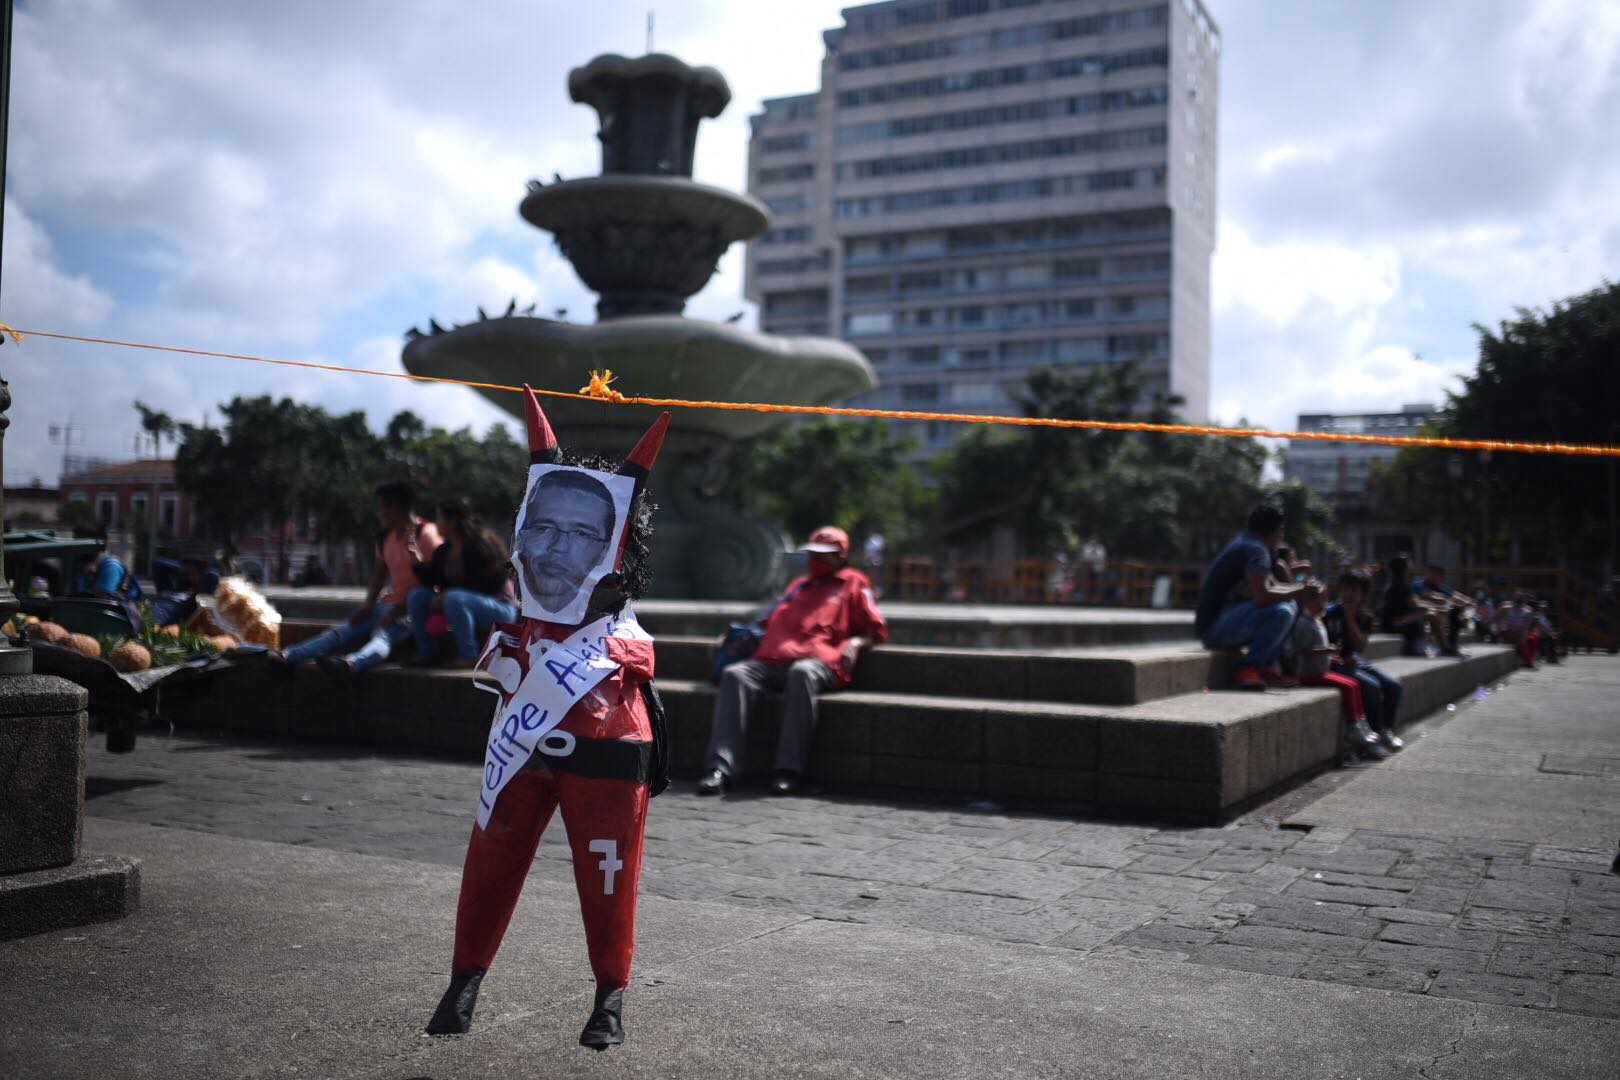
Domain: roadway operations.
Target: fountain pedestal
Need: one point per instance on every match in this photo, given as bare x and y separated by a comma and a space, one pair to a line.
646, 237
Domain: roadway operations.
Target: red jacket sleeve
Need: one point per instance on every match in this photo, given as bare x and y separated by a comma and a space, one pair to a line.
865, 620
635, 658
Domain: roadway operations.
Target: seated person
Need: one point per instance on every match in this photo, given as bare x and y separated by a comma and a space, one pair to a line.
1315, 656
468, 580
813, 637
1546, 633
178, 589
1241, 604
1348, 624
312, 574
1516, 626
104, 576
1407, 615
1450, 603
379, 623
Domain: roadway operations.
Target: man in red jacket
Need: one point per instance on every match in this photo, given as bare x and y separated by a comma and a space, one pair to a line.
812, 639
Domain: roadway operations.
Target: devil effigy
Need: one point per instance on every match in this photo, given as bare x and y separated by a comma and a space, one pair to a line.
578, 725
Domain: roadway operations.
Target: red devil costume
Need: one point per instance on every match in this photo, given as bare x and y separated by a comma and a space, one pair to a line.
579, 729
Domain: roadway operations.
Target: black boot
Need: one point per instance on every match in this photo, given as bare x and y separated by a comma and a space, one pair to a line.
605, 1028
454, 1014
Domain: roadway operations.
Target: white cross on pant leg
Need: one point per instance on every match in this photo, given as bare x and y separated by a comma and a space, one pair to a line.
611, 863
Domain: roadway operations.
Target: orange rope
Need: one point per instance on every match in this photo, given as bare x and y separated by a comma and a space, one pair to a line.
598, 390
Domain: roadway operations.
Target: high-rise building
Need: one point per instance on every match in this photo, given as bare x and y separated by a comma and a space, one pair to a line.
984, 187
1338, 471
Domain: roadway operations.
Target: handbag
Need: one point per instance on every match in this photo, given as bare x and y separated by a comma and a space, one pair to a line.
738, 645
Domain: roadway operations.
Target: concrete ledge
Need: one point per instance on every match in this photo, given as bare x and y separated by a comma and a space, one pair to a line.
91, 890
43, 729
1189, 756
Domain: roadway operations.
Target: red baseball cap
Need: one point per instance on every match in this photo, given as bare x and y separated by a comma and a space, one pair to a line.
828, 540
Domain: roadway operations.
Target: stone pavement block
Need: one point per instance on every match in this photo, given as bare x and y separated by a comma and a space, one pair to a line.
1518, 896
1139, 952
1546, 960
1491, 989
1287, 939
1424, 958
875, 866
1166, 936
1107, 858
1531, 923
1411, 915
940, 850
1598, 995
1096, 921
1360, 881
1163, 864
1440, 937
1491, 849
87, 890
1009, 877
1243, 958
1238, 862
1148, 889
1343, 860
1598, 943
1437, 898
1354, 972
1308, 889
1592, 860
1547, 878
1388, 841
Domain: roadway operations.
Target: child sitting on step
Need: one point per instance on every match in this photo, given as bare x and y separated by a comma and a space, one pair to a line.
1315, 655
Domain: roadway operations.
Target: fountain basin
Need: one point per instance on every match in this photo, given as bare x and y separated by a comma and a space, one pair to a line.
653, 356
645, 243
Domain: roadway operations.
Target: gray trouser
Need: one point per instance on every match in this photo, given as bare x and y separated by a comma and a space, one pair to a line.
740, 687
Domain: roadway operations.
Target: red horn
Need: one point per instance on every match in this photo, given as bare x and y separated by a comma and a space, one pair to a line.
640, 461
542, 443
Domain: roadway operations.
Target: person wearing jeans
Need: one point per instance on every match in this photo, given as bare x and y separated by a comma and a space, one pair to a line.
1241, 604
467, 581
1347, 624
379, 622
813, 636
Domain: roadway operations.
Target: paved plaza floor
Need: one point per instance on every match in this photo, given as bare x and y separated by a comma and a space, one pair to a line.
1451, 912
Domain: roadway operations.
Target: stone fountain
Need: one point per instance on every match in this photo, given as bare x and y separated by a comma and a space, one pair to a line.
645, 236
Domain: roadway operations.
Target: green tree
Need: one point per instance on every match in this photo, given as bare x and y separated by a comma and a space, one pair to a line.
1143, 494
851, 473
1545, 375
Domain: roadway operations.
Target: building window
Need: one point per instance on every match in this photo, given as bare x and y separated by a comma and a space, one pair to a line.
975, 393
920, 394
793, 234
869, 322
169, 513
107, 509
137, 504
787, 204
776, 144
1023, 352
923, 355
802, 171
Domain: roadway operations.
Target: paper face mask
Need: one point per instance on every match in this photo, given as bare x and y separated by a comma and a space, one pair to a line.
567, 539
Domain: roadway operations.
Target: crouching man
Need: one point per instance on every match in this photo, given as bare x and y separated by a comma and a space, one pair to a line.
813, 637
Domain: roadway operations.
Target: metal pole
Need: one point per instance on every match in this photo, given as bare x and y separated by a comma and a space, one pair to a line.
13, 660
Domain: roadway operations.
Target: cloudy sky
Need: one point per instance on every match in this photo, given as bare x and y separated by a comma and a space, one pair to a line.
306, 179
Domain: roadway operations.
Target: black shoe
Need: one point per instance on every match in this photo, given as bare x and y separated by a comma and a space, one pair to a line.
605, 1028
1374, 752
454, 1014
785, 783
335, 666
713, 783
1454, 654
1392, 742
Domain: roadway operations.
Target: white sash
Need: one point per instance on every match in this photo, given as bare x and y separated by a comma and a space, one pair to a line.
559, 674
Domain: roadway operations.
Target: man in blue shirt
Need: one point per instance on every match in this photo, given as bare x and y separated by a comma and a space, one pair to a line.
1241, 604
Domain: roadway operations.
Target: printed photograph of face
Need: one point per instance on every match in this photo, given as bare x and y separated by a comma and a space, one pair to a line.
567, 538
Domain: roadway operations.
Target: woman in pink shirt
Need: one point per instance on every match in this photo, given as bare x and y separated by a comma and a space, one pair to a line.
379, 622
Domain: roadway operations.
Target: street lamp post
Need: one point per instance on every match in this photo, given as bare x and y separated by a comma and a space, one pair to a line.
13, 660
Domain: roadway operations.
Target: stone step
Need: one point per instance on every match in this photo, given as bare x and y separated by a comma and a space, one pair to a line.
966, 625
1196, 756
1102, 675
